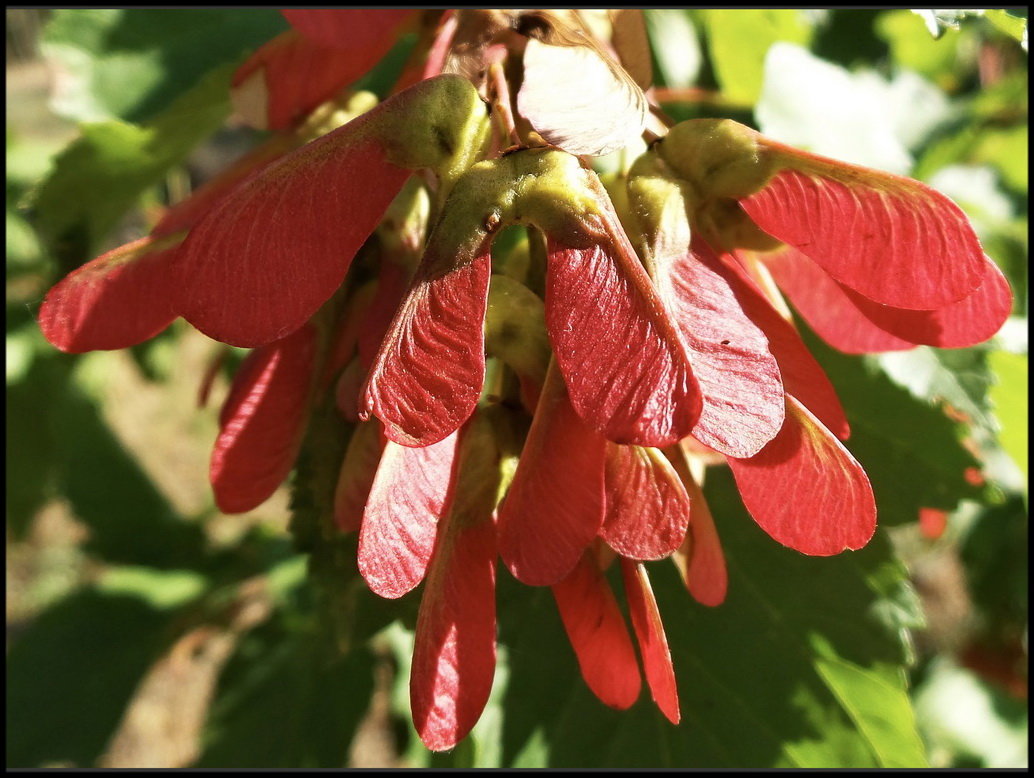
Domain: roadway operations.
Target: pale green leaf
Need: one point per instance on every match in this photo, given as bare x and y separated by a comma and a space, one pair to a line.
1011, 401
912, 46
1008, 150
160, 589
963, 716
739, 40
1013, 26
103, 173
858, 117
675, 45
131, 63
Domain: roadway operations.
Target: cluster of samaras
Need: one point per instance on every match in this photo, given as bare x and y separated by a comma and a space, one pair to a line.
551, 405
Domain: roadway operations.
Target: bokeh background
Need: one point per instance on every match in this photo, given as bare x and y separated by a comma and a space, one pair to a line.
144, 628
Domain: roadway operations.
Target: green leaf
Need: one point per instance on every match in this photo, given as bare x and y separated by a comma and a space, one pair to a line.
130, 521
876, 708
1007, 150
802, 666
966, 719
1013, 26
995, 551
913, 47
847, 37
675, 45
161, 589
973, 143
23, 249
857, 116
32, 471
1008, 97
104, 172
959, 377
738, 41
130, 64
1010, 399
940, 21
287, 699
71, 674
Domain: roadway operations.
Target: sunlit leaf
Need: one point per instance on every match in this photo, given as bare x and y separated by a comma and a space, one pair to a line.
675, 44
132, 63
1011, 401
739, 40
121, 160
913, 47
857, 116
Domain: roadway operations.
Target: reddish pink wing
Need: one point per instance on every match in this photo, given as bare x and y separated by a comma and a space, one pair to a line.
392, 285
186, 213
856, 325
299, 75
890, 238
408, 497
647, 508
427, 377
454, 654
626, 369
274, 250
806, 490
334, 49
598, 634
653, 644
351, 29
439, 50
700, 560
262, 422
342, 346
739, 377
126, 295
554, 507
114, 301
802, 376
358, 470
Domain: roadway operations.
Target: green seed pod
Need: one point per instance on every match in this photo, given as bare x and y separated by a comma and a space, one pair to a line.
719, 158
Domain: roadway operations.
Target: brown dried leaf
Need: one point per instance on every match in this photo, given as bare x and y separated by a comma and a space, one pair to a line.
632, 45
